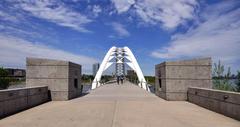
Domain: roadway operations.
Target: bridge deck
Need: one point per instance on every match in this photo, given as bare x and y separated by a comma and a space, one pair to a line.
118, 106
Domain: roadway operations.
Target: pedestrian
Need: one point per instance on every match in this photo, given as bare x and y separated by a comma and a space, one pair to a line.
122, 79
118, 80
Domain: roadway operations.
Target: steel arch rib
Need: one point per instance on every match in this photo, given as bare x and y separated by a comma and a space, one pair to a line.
141, 79
133, 64
107, 58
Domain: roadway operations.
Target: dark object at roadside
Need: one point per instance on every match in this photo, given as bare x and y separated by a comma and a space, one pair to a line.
4, 81
118, 78
238, 82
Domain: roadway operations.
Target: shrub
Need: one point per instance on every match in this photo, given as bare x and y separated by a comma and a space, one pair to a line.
237, 89
4, 81
221, 81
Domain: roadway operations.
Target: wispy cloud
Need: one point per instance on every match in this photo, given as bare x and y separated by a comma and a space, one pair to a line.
56, 12
96, 9
123, 5
120, 29
15, 50
168, 13
7, 17
218, 37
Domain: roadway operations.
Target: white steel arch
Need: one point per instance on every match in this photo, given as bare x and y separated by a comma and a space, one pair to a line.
132, 63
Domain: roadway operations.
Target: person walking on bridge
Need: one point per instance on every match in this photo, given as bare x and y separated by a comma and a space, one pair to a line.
118, 78
121, 78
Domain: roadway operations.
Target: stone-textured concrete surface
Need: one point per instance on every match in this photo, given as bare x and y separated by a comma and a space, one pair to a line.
118, 106
15, 100
59, 76
172, 79
224, 102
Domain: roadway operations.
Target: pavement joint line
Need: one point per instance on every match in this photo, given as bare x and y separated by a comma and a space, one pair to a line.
114, 113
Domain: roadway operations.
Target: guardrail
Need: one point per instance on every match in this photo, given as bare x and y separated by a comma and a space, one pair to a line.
15, 100
223, 102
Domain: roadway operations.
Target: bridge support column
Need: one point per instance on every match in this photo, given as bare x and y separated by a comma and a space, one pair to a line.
172, 79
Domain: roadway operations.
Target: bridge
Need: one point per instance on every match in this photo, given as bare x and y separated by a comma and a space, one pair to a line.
186, 82
120, 57
114, 105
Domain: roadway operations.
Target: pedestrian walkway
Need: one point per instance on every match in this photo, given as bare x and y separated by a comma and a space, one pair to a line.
114, 105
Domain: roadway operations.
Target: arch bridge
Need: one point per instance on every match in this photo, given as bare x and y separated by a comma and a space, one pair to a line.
120, 57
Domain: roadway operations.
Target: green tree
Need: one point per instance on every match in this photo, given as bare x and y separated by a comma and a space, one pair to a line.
4, 81
237, 89
150, 79
221, 81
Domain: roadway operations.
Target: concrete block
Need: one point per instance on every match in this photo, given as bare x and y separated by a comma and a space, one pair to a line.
176, 77
199, 92
230, 97
3, 95
9, 107
176, 96
60, 95
75, 70
74, 94
32, 92
45, 97
227, 109
188, 72
20, 103
34, 100
45, 62
53, 84
213, 105
61, 77
72, 86
37, 90
161, 94
160, 70
224, 102
15, 100
236, 111
47, 71
192, 62
1, 108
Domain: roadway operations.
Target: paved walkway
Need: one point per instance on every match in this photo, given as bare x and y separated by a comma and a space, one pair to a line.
118, 106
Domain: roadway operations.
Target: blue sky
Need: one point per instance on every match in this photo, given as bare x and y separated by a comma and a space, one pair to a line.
82, 31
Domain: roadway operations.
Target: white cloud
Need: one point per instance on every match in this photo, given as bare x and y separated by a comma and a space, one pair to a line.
96, 10
123, 5
55, 12
120, 29
168, 13
111, 36
15, 50
218, 37
7, 17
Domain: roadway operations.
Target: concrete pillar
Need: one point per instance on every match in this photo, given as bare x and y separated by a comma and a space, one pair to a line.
172, 79
63, 78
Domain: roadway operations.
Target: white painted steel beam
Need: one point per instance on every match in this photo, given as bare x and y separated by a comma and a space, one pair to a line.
132, 63
107, 58
142, 82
